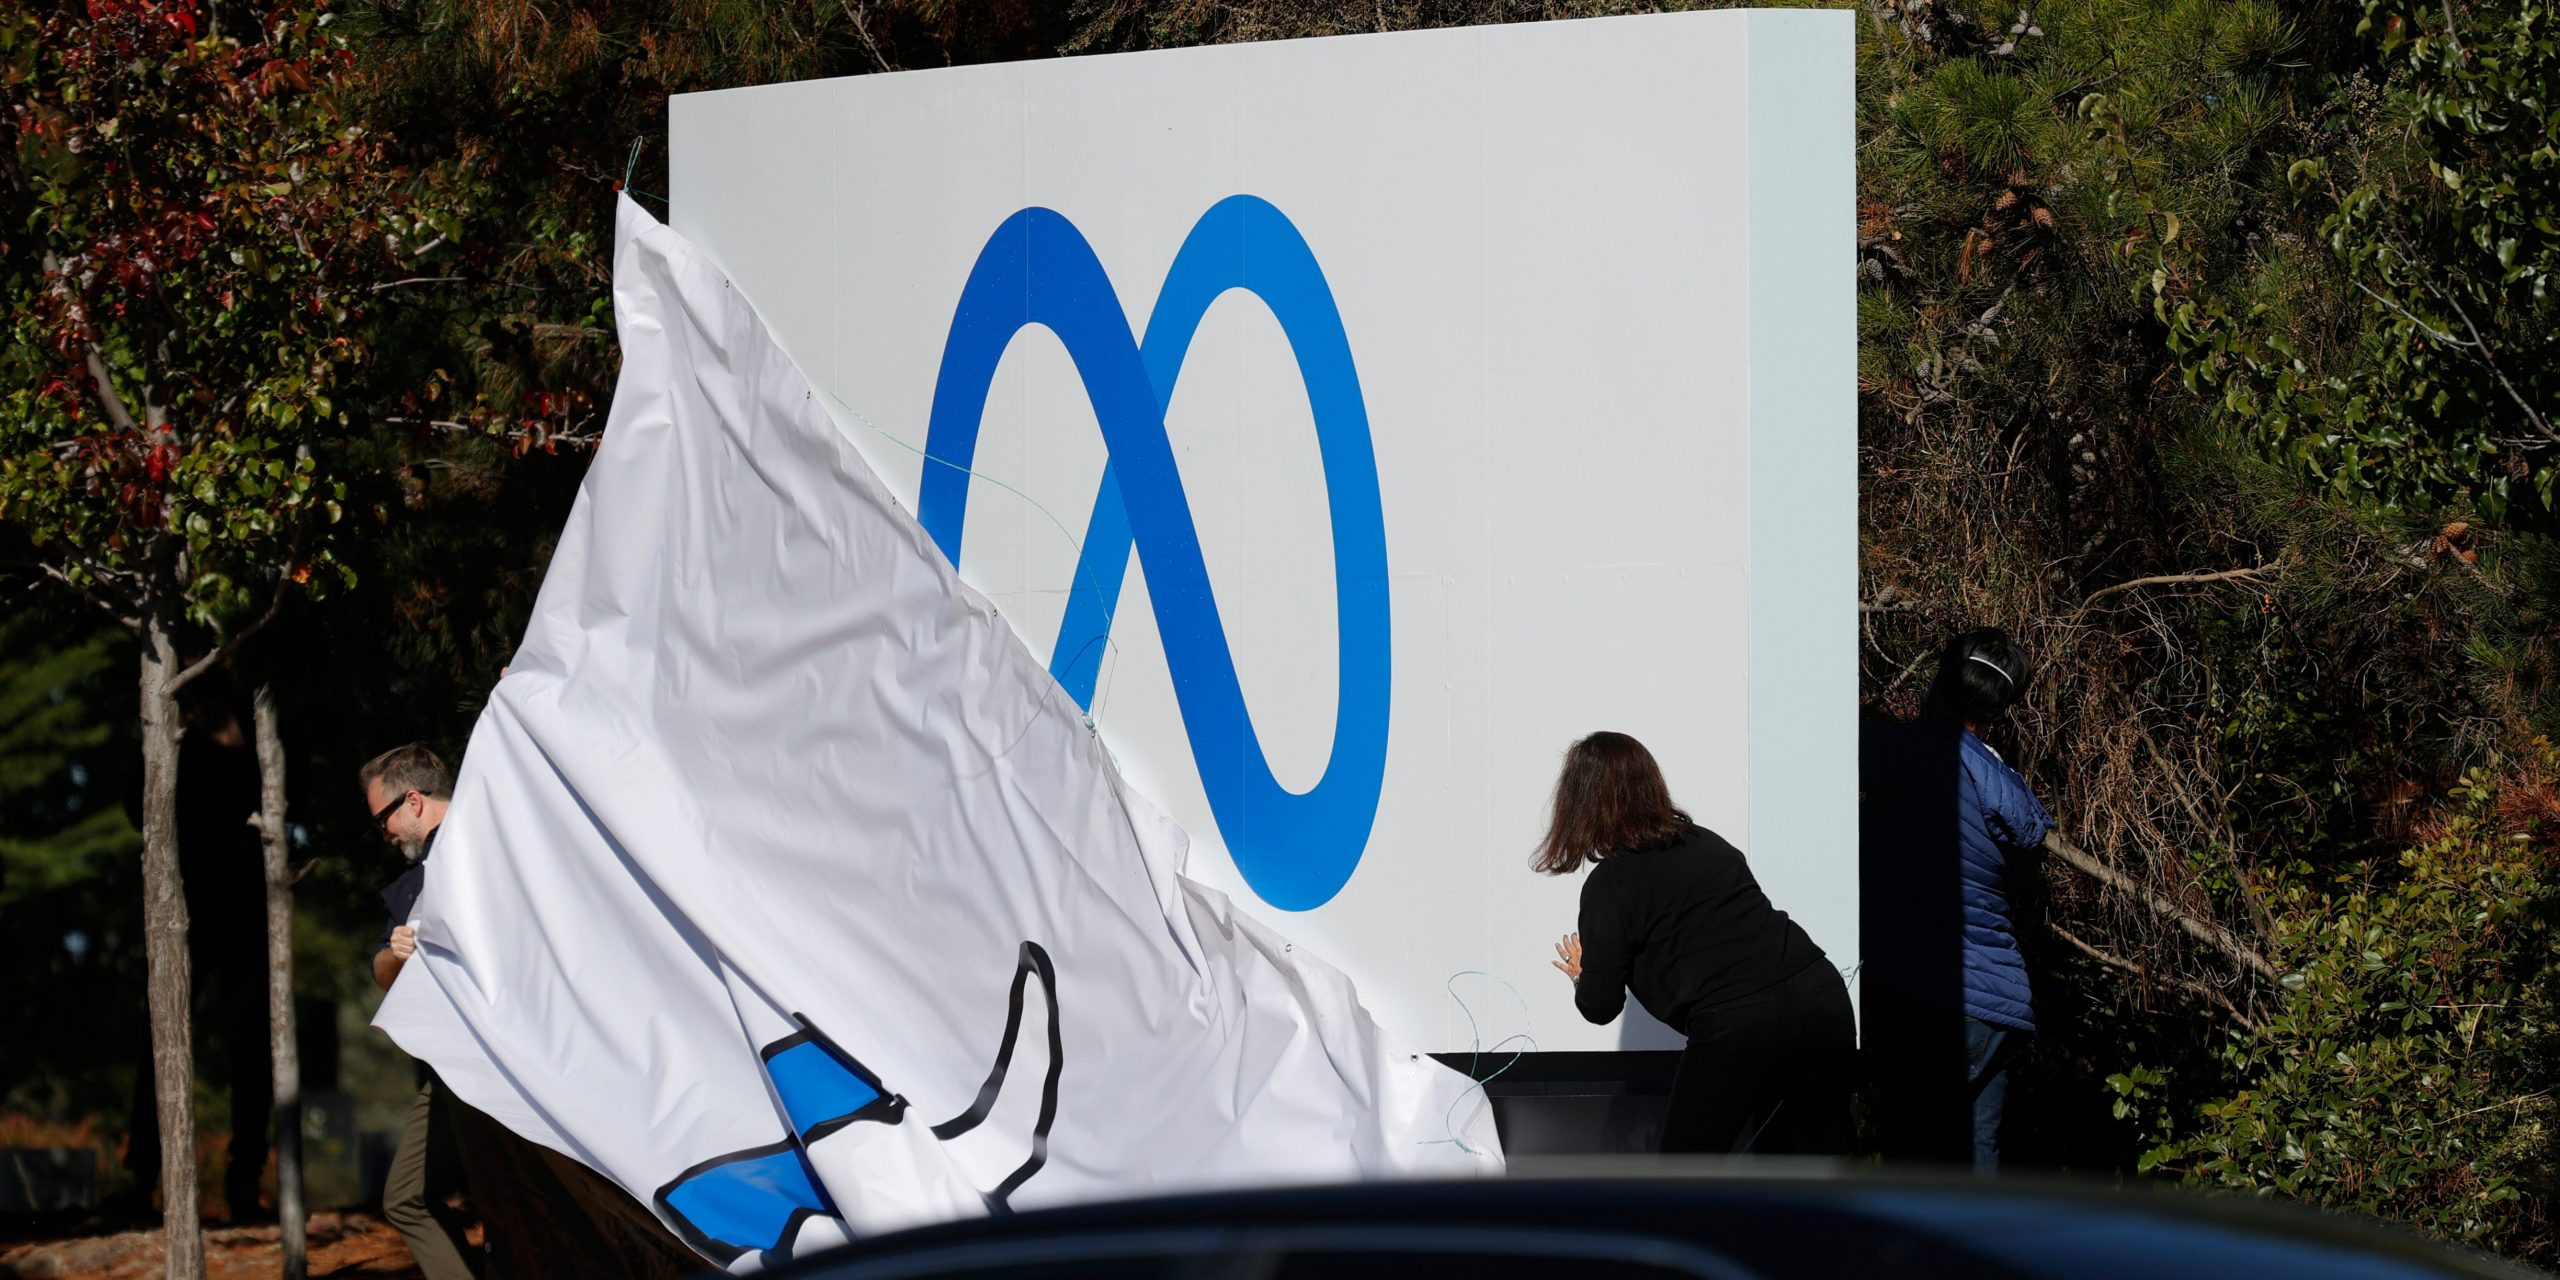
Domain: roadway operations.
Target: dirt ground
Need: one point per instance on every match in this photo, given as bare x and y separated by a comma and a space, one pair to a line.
342, 1244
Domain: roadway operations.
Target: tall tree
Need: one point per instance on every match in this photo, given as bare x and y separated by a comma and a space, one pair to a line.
282, 1052
201, 258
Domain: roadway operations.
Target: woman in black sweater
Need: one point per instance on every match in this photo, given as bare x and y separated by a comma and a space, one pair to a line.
1672, 913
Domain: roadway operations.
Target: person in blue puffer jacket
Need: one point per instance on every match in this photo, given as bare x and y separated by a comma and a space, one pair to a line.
1998, 820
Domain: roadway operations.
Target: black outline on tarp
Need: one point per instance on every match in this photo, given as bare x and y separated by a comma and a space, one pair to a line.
1032, 960
719, 1250
889, 1108
884, 1108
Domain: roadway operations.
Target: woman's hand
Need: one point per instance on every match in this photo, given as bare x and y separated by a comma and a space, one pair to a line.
1569, 956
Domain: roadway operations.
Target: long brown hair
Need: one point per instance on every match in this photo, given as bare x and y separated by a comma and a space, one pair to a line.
1610, 800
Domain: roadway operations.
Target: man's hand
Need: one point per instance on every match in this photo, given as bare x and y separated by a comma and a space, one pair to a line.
1569, 956
387, 962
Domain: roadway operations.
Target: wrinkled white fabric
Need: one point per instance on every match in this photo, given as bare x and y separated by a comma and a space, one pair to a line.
765, 766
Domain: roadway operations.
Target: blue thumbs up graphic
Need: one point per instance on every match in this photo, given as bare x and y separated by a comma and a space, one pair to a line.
758, 1199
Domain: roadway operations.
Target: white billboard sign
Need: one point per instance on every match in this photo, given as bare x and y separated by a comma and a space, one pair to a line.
1350, 424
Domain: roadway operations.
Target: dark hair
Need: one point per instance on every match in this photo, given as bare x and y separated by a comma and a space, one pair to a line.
1610, 800
407, 769
1980, 673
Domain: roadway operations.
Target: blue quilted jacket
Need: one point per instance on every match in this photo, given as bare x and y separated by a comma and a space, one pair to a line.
1995, 815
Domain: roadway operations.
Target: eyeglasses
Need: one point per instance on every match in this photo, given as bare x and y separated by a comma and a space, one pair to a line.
383, 814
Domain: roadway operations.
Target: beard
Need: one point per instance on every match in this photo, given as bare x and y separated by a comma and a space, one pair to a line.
412, 847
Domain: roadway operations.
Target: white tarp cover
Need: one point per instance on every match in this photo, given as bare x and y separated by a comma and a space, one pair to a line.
784, 888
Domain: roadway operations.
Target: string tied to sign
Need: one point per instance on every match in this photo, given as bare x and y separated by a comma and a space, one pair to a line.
1476, 1051
1110, 646
631, 166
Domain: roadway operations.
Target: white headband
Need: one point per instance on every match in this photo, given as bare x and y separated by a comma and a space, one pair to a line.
2005, 677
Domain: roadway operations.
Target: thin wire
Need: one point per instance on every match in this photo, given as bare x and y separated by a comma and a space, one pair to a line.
1111, 646
1753, 1138
1475, 1052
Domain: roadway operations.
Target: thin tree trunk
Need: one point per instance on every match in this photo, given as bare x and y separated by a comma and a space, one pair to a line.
280, 1030
164, 930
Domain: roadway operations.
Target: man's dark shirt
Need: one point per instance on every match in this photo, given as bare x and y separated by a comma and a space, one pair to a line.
401, 895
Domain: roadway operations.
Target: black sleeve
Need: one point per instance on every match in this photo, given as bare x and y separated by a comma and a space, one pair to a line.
1602, 991
397, 898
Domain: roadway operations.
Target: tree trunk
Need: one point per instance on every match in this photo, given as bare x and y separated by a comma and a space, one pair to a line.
280, 1030
164, 930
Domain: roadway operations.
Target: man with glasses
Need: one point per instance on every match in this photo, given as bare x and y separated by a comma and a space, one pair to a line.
408, 788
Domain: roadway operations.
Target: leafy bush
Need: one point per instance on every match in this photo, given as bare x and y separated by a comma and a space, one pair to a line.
2401, 1071
2407, 359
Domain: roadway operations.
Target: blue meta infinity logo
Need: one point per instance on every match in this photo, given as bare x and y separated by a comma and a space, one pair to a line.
1295, 849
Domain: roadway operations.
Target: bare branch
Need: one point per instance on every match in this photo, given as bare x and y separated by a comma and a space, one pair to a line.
569, 433
2404, 313
109, 574
115, 608
859, 14
2177, 579
1908, 669
2202, 930
2481, 344
222, 653
2114, 961
155, 411
394, 284
108, 397
2517, 1101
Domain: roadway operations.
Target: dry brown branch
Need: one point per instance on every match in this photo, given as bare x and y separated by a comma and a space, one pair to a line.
2169, 776
400, 284
859, 15
2177, 579
2202, 930
570, 433
2114, 961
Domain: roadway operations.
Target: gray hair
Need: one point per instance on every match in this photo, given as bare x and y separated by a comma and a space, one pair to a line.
406, 769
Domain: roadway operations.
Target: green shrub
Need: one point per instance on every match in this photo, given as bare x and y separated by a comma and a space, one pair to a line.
2402, 1072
